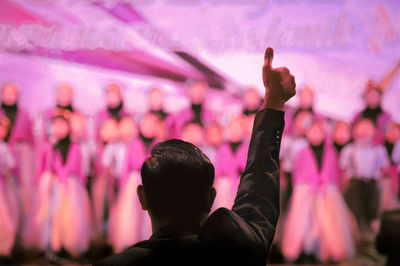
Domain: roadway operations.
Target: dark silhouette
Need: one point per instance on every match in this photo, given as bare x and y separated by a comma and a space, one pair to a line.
388, 238
177, 192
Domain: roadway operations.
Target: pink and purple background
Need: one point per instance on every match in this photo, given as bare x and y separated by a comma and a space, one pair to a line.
333, 45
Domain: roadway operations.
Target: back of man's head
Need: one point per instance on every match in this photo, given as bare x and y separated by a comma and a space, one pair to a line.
177, 179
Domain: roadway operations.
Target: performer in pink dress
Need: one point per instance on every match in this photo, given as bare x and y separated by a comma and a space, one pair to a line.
230, 162
106, 132
292, 143
103, 184
20, 140
389, 186
198, 111
150, 133
126, 214
114, 107
396, 160
156, 106
64, 101
373, 111
62, 213
318, 222
9, 207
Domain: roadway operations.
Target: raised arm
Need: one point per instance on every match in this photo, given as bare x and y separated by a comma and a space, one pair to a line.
257, 199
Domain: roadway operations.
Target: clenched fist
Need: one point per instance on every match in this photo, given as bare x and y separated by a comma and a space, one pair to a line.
279, 83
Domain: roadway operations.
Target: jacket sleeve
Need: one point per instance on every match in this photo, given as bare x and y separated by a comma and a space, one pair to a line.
257, 199
248, 229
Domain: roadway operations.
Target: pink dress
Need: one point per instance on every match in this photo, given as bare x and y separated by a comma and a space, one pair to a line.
318, 221
127, 224
9, 208
102, 184
22, 143
228, 166
62, 212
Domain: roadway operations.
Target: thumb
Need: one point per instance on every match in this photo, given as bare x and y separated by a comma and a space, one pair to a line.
269, 55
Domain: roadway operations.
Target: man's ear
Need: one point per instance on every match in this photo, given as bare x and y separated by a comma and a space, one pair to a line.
142, 197
210, 199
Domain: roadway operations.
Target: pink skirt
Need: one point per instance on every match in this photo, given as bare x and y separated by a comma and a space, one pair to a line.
318, 222
60, 217
26, 169
9, 217
125, 216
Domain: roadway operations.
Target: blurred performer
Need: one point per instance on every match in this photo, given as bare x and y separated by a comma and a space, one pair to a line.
230, 162
198, 110
341, 135
64, 101
9, 207
114, 109
318, 222
194, 133
156, 106
88, 146
396, 160
362, 162
114, 106
63, 211
20, 139
306, 103
213, 139
292, 143
126, 214
390, 182
103, 184
374, 111
150, 131
252, 102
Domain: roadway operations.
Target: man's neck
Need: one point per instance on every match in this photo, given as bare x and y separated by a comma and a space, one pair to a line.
176, 228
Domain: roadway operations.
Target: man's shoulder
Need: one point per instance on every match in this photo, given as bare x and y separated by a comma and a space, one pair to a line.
225, 228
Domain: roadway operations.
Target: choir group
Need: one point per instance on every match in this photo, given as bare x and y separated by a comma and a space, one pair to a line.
62, 188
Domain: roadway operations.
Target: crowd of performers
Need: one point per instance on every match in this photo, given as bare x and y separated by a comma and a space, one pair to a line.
61, 188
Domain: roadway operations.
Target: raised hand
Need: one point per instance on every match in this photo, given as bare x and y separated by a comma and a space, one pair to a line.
279, 84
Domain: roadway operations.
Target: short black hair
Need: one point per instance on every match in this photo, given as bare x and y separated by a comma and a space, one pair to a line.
176, 179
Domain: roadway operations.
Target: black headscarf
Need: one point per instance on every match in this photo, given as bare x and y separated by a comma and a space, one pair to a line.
372, 113
389, 148
318, 152
11, 113
161, 114
146, 141
197, 108
339, 147
115, 111
234, 145
63, 147
67, 107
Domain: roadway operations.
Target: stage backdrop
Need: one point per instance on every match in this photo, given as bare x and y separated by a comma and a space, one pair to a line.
335, 46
